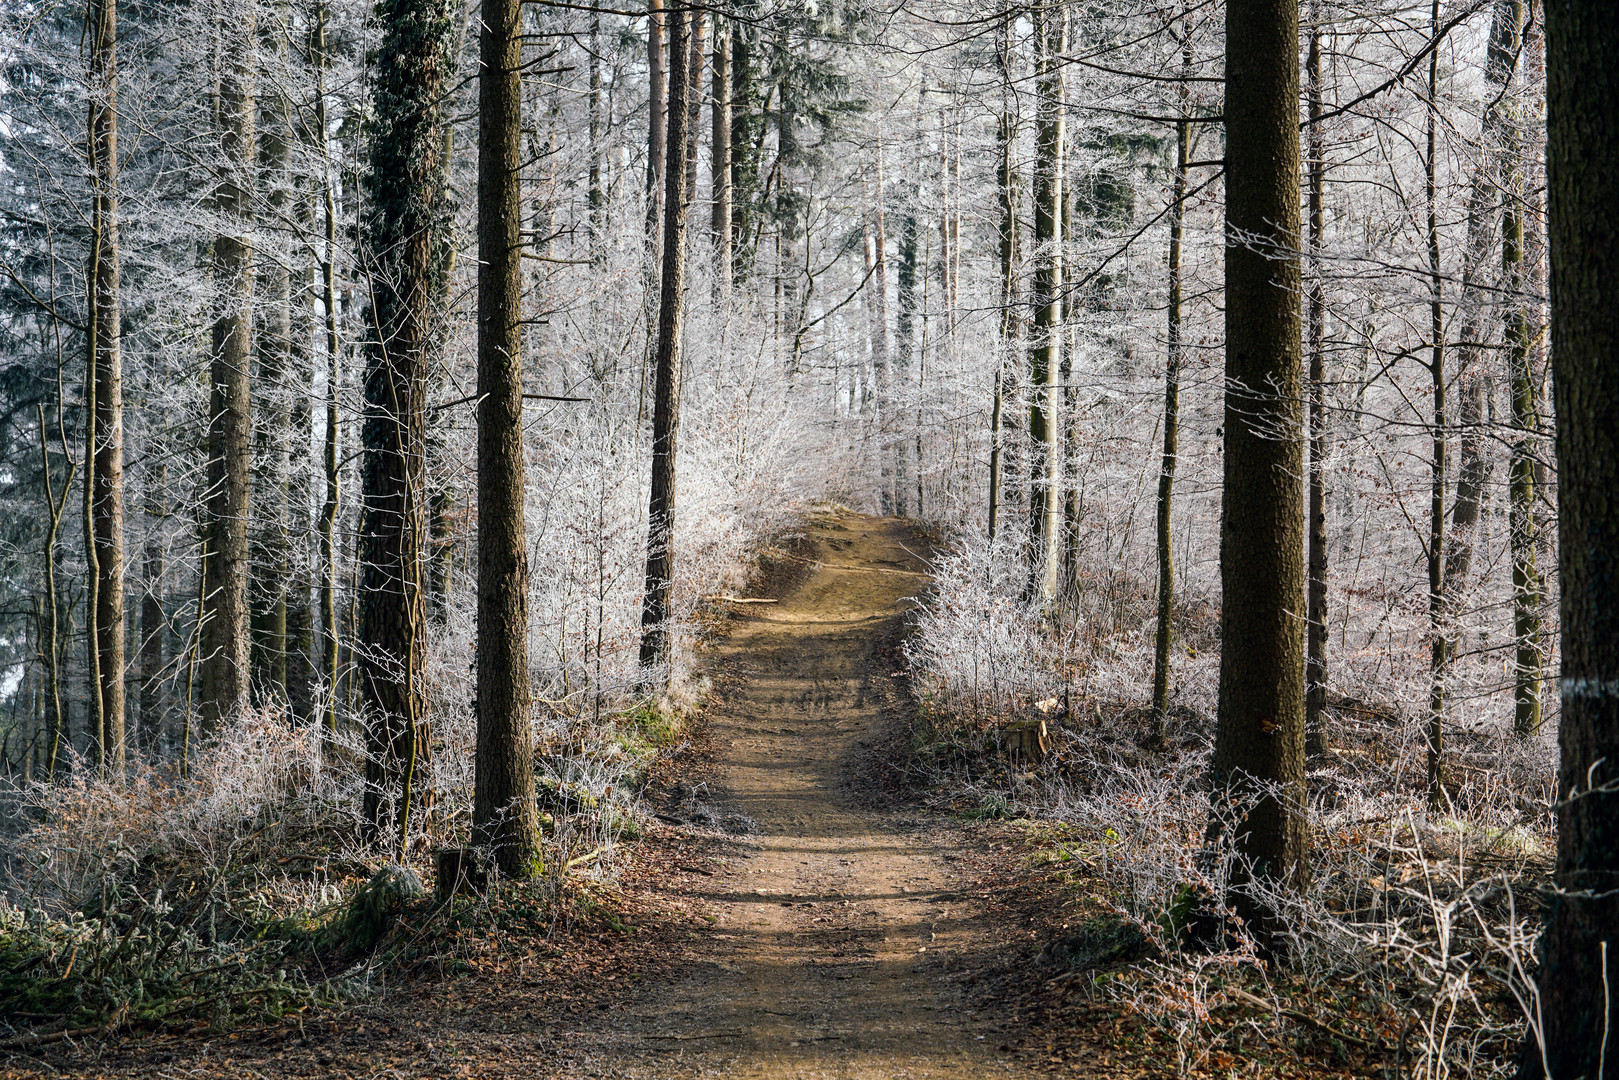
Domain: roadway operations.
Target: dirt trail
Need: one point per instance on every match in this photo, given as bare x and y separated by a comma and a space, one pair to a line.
840, 944
791, 923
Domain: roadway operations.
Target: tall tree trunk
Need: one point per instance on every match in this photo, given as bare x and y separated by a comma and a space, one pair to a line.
720, 183
596, 196
331, 458
657, 604
1436, 510
877, 324
272, 435
154, 626
402, 249
1045, 495
1315, 659
657, 140
1259, 742
905, 348
504, 814
1473, 468
745, 122
1011, 323
226, 563
1579, 950
50, 637
106, 361
1172, 406
1527, 590
695, 52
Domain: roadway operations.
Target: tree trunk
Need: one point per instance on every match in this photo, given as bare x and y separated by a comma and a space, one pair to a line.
877, 325
331, 459
272, 436
1045, 495
905, 347
1172, 410
1436, 509
1472, 472
1259, 743
1315, 660
744, 149
504, 812
402, 241
1006, 183
1527, 590
657, 97
720, 170
226, 565
50, 637
1579, 969
657, 606
695, 52
596, 195
105, 358
154, 628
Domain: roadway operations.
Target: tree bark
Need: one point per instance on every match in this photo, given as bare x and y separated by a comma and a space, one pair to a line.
720, 159
1011, 323
154, 625
695, 51
330, 635
1315, 659
1045, 496
504, 814
745, 150
596, 195
905, 347
226, 563
106, 474
1527, 590
1258, 761
403, 235
272, 435
657, 605
1579, 970
1436, 509
657, 97
1172, 408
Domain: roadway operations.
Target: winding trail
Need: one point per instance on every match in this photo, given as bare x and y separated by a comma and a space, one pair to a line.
841, 946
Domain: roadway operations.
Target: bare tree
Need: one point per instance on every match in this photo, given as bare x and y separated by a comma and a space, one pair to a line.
1045, 376
1259, 743
504, 812
226, 563
104, 483
657, 603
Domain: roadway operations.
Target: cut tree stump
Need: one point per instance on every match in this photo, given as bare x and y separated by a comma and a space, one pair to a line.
1027, 739
457, 873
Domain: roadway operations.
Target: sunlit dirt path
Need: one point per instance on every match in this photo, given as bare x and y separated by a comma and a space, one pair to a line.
789, 916
841, 946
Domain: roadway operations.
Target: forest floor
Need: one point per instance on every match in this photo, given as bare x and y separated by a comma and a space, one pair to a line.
792, 913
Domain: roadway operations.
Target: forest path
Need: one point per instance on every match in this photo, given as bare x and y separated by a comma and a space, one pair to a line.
841, 944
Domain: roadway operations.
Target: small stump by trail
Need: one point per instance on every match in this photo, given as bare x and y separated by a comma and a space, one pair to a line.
457, 872
1027, 739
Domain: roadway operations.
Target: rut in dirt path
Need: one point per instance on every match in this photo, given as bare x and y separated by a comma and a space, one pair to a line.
840, 945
